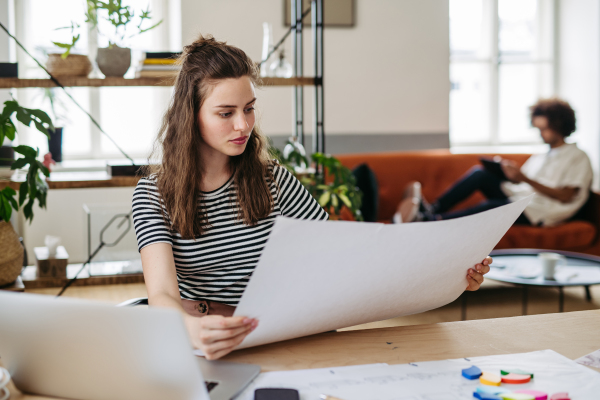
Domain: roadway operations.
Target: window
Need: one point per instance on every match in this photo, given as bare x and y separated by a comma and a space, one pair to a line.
501, 62
130, 115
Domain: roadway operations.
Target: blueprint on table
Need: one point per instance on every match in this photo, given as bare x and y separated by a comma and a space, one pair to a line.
433, 380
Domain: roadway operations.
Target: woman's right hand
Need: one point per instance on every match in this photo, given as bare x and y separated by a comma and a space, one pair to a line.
216, 335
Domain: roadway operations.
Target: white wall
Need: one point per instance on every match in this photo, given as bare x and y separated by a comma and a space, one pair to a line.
579, 71
388, 74
64, 217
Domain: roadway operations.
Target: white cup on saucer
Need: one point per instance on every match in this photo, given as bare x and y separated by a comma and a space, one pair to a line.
549, 262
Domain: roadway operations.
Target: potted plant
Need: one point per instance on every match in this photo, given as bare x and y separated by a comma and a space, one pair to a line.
58, 111
115, 60
33, 188
67, 64
335, 189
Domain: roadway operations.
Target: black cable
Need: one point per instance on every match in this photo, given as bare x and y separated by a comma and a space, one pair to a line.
57, 83
126, 218
81, 269
284, 37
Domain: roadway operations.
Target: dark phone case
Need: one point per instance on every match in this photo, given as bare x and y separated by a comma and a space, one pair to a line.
276, 394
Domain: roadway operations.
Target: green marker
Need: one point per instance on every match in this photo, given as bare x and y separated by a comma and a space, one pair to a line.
515, 371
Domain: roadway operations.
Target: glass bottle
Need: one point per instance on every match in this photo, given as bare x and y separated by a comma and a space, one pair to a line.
267, 47
281, 68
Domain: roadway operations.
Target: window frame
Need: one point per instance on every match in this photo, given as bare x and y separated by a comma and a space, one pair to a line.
160, 7
493, 58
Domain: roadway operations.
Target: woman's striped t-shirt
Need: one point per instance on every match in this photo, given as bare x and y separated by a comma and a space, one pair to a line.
218, 264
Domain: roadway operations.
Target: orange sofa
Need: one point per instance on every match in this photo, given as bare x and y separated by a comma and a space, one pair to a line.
438, 169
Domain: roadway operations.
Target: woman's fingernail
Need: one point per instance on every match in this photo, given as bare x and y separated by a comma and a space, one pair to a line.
247, 320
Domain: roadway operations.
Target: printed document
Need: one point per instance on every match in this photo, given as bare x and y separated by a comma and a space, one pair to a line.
318, 276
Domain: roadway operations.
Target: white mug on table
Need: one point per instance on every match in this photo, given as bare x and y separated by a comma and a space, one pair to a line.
549, 262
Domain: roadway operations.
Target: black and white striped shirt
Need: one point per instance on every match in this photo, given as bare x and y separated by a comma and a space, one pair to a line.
218, 264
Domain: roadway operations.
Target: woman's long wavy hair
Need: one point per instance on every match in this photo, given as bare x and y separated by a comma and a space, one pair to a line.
203, 63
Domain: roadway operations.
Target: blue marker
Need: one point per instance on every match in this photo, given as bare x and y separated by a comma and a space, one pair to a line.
486, 396
471, 373
487, 390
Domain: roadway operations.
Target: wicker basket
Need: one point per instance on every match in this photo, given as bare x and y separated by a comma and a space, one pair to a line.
11, 254
73, 65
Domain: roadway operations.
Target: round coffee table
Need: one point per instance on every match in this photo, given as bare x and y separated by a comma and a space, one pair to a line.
521, 267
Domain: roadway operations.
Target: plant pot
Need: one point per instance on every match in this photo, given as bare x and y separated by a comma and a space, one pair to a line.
55, 144
7, 156
114, 61
73, 65
11, 254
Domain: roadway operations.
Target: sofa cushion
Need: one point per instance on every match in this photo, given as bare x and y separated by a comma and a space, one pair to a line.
366, 181
570, 235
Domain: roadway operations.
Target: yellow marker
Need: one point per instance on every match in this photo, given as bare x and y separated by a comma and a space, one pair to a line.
487, 378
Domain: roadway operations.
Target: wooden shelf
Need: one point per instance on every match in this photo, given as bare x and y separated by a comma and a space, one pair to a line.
30, 281
80, 180
7, 83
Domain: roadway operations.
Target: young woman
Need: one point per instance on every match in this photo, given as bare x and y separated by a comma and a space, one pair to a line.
202, 217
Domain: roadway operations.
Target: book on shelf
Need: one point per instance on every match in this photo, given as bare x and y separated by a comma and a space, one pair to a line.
159, 61
156, 74
158, 67
162, 54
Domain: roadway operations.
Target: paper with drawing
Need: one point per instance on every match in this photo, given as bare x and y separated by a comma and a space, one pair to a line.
316, 276
433, 380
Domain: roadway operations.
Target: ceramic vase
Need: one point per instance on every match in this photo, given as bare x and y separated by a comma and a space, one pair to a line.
114, 61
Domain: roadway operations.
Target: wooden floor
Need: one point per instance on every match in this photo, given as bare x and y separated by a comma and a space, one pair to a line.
494, 300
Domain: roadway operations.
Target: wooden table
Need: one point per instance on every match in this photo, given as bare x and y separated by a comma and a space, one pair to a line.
571, 334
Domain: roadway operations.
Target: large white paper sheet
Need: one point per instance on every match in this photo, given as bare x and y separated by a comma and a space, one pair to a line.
433, 380
317, 276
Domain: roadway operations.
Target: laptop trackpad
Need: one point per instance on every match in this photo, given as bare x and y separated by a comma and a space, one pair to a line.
224, 379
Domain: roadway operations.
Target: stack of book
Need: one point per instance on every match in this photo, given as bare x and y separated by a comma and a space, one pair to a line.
158, 65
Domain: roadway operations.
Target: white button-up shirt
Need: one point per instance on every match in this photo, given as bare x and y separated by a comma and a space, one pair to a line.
564, 166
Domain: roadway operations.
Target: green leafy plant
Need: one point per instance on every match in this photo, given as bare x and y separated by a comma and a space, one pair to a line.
54, 98
333, 189
68, 46
34, 187
119, 17
290, 161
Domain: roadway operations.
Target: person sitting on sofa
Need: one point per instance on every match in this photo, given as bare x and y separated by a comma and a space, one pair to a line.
559, 179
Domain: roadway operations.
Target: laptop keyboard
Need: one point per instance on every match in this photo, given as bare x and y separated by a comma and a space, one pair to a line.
210, 385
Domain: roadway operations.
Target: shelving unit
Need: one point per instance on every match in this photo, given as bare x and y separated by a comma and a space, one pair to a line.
7, 83
318, 143
98, 179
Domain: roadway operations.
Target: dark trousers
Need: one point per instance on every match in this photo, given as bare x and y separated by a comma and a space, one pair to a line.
476, 179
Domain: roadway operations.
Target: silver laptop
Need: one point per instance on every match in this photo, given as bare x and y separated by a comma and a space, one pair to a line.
84, 350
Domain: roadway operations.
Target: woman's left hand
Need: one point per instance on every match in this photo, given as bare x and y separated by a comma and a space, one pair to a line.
475, 274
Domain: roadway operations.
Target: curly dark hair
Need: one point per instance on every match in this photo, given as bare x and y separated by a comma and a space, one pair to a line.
561, 117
